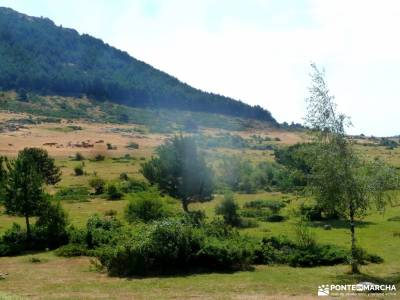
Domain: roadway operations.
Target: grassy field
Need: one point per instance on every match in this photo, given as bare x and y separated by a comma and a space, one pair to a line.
52, 277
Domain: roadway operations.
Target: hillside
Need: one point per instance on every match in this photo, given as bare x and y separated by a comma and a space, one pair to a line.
38, 56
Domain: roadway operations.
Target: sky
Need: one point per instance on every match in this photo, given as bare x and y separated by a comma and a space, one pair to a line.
257, 51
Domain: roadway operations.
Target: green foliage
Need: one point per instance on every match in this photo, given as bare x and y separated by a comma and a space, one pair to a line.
13, 241
180, 171
229, 210
72, 193
132, 185
112, 192
78, 170
280, 250
167, 247
99, 157
273, 205
45, 165
274, 218
97, 184
50, 231
101, 231
79, 157
146, 207
42, 57
72, 250
51, 226
240, 175
24, 194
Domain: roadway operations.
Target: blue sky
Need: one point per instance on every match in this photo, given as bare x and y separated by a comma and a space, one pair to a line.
257, 51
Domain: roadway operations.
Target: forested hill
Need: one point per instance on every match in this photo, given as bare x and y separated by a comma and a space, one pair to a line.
38, 56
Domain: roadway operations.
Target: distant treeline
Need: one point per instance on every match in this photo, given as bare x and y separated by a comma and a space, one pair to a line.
36, 55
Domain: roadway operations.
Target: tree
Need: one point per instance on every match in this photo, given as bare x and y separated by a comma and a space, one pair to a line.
24, 194
44, 164
97, 184
228, 209
4, 166
340, 179
180, 171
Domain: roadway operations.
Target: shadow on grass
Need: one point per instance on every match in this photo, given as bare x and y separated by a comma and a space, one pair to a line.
181, 274
340, 224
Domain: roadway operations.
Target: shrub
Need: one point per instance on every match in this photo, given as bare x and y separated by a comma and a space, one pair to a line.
132, 145
274, 206
225, 254
123, 176
133, 186
167, 247
13, 241
275, 218
304, 237
145, 207
97, 184
228, 209
50, 231
78, 170
110, 213
113, 193
79, 157
51, 227
99, 157
281, 250
260, 214
101, 231
194, 218
72, 193
71, 250
364, 258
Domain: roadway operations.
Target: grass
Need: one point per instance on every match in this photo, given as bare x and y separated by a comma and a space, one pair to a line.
76, 278
45, 276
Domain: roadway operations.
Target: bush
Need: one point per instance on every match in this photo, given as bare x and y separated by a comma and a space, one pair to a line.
280, 250
133, 186
71, 250
275, 218
72, 193
97, 184
113, 193
78, 170
50, 230
194, 218
167, 247
272, 205
146, 207
13, 241
123, 176
364, 258
99, 157
228, 209
110, 213
132, 145
225, 255
79, 157
101, 231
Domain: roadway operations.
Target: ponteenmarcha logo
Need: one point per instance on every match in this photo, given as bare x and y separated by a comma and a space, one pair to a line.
362, 287
323, 290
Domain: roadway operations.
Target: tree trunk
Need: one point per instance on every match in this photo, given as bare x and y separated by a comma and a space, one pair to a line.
185, 205
354, 258
28, 229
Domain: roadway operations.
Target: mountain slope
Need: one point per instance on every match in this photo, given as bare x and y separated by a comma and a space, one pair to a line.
36, 55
